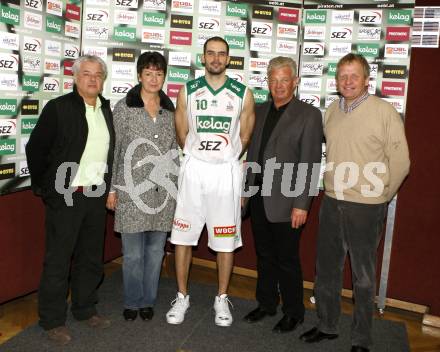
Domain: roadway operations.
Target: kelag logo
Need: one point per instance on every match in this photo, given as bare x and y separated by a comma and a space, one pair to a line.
123, 55
27, 125
236, 9
54, 24
180, 21
235, 42
31, 83
7, 171
368, 50
7, 146
262, 12
260, 95
9, 15
178, 74
30, 107
213, 124
126, 34
331, 69
399, 17
396, 71
316, 16
8, 106
155, 19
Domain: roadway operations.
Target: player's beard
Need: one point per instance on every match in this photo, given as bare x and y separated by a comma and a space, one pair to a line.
215, 71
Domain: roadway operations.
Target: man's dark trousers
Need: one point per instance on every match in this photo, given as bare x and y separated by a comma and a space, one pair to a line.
278, 262
76, 231
355, 228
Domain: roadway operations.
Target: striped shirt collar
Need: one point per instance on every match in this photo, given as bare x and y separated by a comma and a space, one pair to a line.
358, 101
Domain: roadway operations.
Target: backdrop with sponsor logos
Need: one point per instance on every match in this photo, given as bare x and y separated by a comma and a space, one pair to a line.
41, 39
119, 30
38, 42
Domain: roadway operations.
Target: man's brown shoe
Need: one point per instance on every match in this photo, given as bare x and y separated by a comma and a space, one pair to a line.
99, 322
60, 335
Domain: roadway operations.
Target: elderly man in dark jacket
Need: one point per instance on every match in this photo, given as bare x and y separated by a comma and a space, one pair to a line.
70, 154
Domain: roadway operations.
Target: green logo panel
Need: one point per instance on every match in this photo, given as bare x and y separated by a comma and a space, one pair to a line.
178, 74
31, 83
260, 95
27, 125
316, 16
213, 124
7, 146
399, 17
331, 69
236, 9
9, 15
54, 24
235, 41
125, 34
156, 19
8, 106
368, 50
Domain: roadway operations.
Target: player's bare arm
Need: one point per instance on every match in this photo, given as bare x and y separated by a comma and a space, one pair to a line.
181, 119
247, 120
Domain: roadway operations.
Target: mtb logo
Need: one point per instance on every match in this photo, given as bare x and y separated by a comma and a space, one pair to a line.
225, 231
213, 124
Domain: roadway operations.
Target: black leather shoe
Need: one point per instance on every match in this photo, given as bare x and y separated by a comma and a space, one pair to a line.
257, 314
359, 349
287, 324
315, 335
146, 313
129, 314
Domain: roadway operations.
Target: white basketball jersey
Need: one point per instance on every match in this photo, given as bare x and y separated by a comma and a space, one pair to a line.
214, 120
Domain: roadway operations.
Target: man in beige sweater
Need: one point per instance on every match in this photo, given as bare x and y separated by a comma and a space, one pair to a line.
367, 160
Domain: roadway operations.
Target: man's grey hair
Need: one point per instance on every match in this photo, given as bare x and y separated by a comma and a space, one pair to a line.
88, 58
281, 61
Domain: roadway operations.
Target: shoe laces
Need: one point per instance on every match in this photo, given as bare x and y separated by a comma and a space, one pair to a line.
223, 304
179, 304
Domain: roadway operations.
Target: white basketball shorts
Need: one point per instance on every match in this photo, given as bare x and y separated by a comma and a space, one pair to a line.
208, 193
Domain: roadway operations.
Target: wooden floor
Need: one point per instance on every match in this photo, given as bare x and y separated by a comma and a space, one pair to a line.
22, 312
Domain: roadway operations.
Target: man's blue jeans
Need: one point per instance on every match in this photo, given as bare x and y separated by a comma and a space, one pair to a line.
143, 255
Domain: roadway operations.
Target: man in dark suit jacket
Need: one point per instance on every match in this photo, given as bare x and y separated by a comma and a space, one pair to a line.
70, 156
286, 143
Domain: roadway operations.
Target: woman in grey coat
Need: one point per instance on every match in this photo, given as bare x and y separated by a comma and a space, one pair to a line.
144, 183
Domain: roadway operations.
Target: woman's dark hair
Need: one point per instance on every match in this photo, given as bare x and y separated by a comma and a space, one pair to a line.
151, 59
